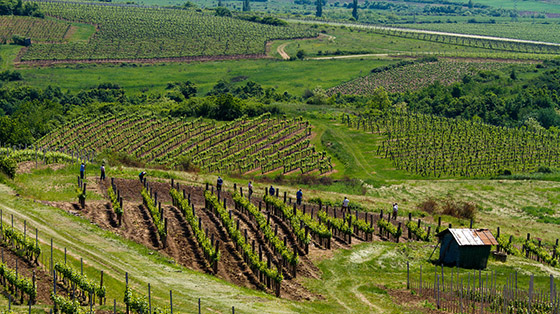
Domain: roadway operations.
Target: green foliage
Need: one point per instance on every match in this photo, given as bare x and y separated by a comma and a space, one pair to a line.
24, 246
543, 254
508, 247
288, 254
222, 11
211, 253
384, 225
65, 305
149, 202
18, 281
337, 223
237, 237
80, 281
433, 146
11, 76
139, 303
241, 145
16, 7
420, 233
300, 54
269, 20
296, 218
114, 201
8, 166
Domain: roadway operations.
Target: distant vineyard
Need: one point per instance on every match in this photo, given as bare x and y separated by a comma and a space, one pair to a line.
435, 146
129, 32
414, 76
549, 32
31, 27
262, 144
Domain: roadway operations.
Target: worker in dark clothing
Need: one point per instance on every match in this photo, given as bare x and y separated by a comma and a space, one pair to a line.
82, 171
299, 196
271, 191
102, 177
219, 183
142, 175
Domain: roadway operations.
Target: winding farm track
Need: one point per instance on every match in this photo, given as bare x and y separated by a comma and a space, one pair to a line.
281, 51
410, 30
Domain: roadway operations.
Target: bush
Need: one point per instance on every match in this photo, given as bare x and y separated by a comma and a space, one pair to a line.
504, 172
430, 206
544, 169
8, 166
448, 206
459, 209
185, 163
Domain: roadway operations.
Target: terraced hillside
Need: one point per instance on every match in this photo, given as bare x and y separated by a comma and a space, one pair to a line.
132, 32
243, 145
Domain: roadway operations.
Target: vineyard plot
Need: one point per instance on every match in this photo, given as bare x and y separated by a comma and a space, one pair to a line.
243, 145
434, 146
133, 32
414, 76
36, 29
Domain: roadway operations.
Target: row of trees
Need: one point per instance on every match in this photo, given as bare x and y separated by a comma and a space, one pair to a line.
11, 7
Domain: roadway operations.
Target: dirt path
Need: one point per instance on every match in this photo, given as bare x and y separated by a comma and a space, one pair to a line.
281, 51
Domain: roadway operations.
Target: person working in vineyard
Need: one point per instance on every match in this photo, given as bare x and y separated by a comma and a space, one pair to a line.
102, 177
82, 171
345, 204
250, 186
299, 196
395, 210
271, 191
219, 183
142, 175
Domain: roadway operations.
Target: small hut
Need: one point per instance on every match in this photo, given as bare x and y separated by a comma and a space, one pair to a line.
465, 248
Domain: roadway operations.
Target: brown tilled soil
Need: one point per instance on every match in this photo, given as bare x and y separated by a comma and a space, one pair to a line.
181, 244
25, 268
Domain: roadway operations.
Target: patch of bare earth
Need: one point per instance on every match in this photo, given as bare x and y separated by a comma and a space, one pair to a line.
181, 244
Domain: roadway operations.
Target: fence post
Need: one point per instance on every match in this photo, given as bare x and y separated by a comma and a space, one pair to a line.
407, 275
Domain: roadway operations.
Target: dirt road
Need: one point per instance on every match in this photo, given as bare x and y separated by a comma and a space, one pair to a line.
281, 51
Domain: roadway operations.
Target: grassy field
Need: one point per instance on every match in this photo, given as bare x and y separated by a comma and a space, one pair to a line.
293, 77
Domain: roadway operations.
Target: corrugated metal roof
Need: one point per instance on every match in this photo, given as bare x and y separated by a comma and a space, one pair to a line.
473, 237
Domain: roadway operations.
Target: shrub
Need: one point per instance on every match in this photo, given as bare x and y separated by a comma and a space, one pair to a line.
449, 206
544, 169
8, 166
430, 206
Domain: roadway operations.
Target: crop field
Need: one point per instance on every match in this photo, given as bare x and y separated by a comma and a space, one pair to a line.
436, 146
415, 76
549, 32
144, 33
34, 28
243, 145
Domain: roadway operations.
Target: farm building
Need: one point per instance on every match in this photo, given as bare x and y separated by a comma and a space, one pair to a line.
466, 248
